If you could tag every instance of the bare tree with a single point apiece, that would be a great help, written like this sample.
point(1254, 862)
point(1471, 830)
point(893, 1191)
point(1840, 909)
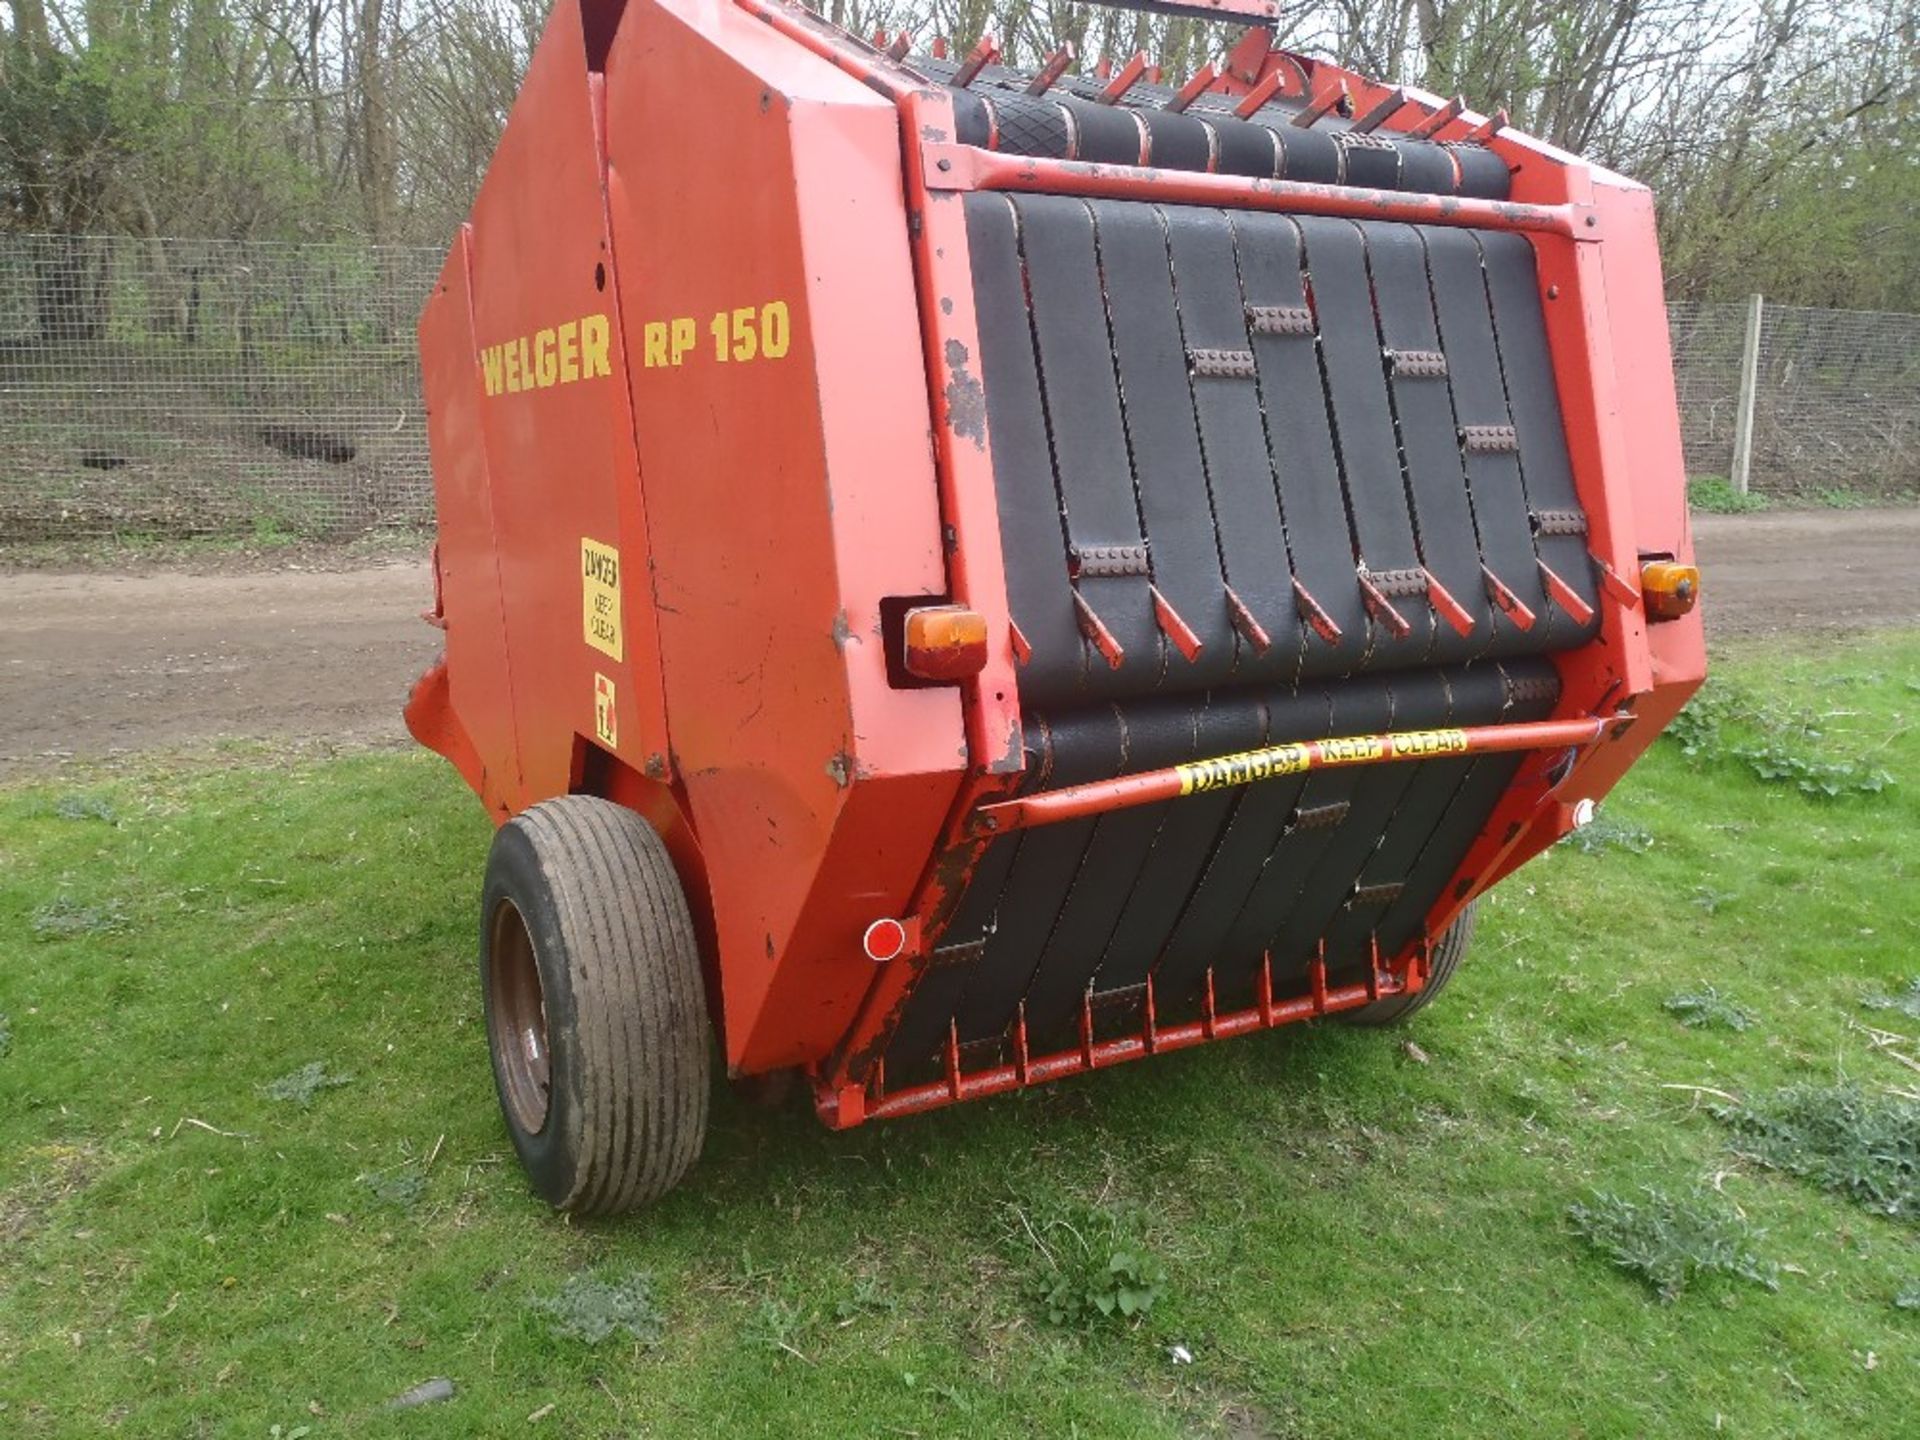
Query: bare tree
point(1781, 135)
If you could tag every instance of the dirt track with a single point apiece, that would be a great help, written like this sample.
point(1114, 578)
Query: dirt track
point(96, 663)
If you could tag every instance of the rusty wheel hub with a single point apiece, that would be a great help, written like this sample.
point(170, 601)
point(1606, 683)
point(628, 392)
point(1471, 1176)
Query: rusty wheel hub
point(517, 1019)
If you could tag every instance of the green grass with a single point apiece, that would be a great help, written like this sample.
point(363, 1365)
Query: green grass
point(132, 547)
point(1342, 1237)
point(1840, 497)
point(1715, 495)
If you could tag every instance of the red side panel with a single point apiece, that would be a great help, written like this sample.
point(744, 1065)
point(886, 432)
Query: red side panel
point(478, 684)
point(781, 408)
point(1652, 505)
point(568, 519)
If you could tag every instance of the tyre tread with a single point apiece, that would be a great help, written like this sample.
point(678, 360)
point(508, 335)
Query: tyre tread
point(1448, 951)
point(638, 1001)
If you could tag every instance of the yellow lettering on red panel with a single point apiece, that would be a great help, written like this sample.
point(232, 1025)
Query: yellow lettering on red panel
point(562, 354)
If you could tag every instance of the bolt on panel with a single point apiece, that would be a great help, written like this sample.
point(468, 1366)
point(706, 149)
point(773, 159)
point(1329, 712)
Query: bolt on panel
point(1233, 443)
point(1480, 403)
point(1422, 410)
point(1545, 470)
point(1342, 298)
point(1169, 472)
point(1088, 439)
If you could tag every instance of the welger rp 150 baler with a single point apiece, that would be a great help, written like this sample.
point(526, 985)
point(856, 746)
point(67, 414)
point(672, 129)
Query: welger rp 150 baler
point(961, 577)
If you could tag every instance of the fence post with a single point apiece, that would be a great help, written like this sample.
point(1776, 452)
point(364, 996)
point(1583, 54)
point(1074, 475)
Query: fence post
point(1749, 385)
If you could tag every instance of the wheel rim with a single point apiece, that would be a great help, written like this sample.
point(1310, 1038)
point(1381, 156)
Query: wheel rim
point(517, 1020)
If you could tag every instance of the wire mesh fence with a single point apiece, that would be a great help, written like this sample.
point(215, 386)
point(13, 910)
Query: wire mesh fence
point(198, 387)
point(1836, 398)
point(191, 387)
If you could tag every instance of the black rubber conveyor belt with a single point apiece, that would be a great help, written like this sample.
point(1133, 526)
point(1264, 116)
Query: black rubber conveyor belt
point(1248, 448)
point(1072, 122)
point(1214, 881)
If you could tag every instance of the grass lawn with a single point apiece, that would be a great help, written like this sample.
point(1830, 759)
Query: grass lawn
point(1347, 1236)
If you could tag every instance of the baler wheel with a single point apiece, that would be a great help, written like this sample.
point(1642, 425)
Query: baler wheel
point(1448, 952)
point(594, 1007)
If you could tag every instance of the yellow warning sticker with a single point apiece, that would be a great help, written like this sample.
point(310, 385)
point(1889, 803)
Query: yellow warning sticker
point(1243, 769)
point(1360, 750)
point(606, 720)
point(1418, 744)
point(600, 596)
point(1276, 760)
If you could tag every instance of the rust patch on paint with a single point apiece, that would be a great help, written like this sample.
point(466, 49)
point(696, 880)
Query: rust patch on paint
point(966, 398)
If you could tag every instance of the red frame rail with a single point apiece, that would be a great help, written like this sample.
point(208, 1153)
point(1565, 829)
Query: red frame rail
point(853, 1105)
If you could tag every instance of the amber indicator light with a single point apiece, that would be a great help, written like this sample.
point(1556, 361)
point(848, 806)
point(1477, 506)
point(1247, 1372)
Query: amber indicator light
point(945, 642)
point(1669, 590)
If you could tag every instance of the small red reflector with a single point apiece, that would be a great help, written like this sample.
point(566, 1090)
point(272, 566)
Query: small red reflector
point(945, 642)
point(884, 940)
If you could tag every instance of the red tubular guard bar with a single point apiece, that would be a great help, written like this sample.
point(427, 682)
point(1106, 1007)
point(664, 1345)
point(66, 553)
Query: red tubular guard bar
point(966, 167)
point(1077, 801)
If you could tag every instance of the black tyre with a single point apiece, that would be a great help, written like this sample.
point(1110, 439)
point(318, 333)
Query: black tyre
point(1448, 952)
point(594, 1005)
